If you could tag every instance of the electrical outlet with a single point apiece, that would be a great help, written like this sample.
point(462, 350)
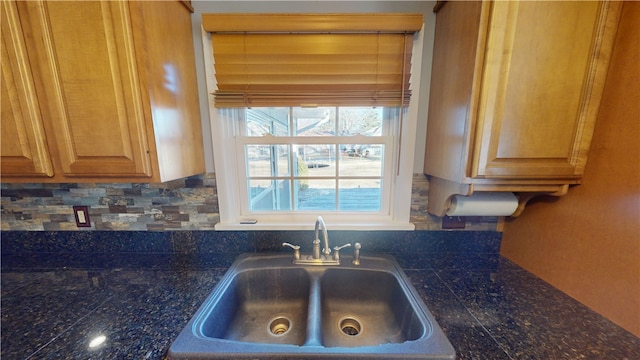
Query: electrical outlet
point(82, 216)
point(453, 222)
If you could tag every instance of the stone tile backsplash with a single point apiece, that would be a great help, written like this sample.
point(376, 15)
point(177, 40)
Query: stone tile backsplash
point(186, 204)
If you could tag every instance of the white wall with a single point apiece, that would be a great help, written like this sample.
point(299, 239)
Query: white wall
point(318, 6)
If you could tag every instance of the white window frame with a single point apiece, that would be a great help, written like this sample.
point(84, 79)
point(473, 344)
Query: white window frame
point(229, 186)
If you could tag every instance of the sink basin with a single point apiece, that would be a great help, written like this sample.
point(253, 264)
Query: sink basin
point(277, 297)
point(368, 306)
point(265, 307)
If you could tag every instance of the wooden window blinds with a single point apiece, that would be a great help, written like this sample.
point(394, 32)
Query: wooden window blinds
point(312, 59)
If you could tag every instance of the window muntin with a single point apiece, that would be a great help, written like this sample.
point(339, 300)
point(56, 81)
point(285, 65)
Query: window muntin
point(316, 121)
point(335, 159)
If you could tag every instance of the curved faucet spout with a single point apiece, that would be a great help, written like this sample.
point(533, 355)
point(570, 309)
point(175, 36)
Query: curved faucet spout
point(320, 224)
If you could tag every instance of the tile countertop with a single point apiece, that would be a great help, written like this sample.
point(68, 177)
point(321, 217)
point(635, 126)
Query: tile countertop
point(488, 307)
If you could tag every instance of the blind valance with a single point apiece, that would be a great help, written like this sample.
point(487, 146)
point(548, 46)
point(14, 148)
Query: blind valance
point(312, 60)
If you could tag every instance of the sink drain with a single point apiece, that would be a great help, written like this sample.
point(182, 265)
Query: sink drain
point(279, 326)
point(350, 326)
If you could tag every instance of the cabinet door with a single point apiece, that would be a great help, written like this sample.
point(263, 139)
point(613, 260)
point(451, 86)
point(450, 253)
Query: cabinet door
point(24, 148)
point(89, 86)
point(544, 69)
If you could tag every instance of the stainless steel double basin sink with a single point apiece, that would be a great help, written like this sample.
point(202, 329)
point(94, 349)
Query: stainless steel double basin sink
point(265, 307)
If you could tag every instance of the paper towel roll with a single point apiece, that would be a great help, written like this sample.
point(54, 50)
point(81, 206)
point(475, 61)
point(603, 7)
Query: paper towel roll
point(483, 204)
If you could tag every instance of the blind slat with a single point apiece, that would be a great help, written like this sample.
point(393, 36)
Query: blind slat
point(306, 59)
point(311, 69)
point(309, 43)
point(371, 98)
point(308, 79)
point(307, 89)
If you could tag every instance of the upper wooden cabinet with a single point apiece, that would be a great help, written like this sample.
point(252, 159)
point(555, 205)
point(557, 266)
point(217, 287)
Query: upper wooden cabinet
point(102, 90)
point(515, 92)
point(24, 145)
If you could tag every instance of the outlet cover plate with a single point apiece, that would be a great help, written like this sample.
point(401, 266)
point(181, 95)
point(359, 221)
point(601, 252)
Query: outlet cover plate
point(82, 216)
point(453, 222)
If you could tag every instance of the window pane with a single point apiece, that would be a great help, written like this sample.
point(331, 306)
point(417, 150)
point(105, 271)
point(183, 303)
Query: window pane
point(360, 120)
point(360, 195)
point(269, 194)
point(261, 121)
point(336, 175)
point(320, 121)
point(312, 194)
point(361, 159)
point(316, 160)
point(267, 160)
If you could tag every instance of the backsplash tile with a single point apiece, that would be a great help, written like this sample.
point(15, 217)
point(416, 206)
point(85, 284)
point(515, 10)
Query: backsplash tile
point(186, 204)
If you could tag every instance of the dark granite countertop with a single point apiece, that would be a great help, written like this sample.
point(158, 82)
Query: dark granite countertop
point(488, 307)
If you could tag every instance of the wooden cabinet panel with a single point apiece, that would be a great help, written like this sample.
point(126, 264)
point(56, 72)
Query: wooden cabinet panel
point(545, 64)
point(172, 90)
point(86, 58)
point(24, 148)
point(515, 92)
point(450, 106)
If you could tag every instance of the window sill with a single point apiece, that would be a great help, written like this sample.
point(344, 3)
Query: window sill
point(299, 226)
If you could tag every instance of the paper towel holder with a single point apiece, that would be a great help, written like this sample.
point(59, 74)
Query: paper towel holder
point(441, 191)
point(483, 203)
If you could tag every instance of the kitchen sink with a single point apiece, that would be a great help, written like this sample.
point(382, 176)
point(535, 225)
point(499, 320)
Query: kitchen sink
point(266, 307)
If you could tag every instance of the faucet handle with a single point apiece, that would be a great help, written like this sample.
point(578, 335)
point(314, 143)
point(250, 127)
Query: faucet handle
point(296, 250)
point(336, 254)
point(356, 254)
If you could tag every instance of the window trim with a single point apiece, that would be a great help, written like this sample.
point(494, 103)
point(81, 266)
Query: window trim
point(222, 131)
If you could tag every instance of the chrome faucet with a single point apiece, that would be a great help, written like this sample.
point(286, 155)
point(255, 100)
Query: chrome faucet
point(317, 258)
point(316, 243)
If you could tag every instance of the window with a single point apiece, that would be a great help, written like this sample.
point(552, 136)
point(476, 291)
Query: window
point(317, 141)
point(315, 159)
point(284, 166)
